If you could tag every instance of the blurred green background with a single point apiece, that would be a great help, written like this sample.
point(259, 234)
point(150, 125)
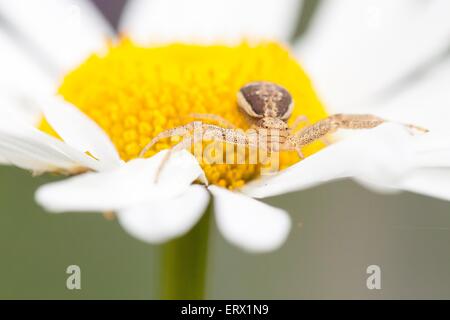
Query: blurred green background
point(338, 230)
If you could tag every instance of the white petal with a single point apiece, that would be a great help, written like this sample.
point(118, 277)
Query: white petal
point(132, 184)
point(19, 108)
point(431, 174)
point(79, 131)
point(432, 151)
point(434, 182)
point(27, 154)
point(66, 30)
point(379, 188)
point(29, 148)
point(206, 20)
point(379, 156)
point(20, 79)
point(248, 223)
point(426, 102)
point(357, 48)
point(165, 220)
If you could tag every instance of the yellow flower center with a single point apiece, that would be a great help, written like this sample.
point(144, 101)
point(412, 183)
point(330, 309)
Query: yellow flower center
point(135, 92)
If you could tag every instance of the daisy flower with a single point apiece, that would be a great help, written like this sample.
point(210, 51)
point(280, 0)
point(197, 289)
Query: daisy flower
point(182, 57)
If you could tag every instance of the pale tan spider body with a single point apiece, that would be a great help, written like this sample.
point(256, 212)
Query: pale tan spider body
point(267, 106)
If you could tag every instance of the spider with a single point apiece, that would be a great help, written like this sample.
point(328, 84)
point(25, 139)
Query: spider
point(267, 106)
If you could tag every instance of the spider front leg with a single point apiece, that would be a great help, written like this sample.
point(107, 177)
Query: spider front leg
point(332, 123)
point(213, 117)
point(335, 122)
point(233, 136)
point(184, 144)
point(291, 145)
point(302, 119)
point(365, 121)
point(207, 131)
point(322, 128)
point(178, 131)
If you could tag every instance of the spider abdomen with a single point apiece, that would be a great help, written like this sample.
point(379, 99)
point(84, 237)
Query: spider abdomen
point(264, 99)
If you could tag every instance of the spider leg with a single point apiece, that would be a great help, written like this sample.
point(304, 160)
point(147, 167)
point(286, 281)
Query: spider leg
point(209, 132)
point(304, 120)
point(331, 124)
point(213, 117)
point(413, 128)
point(186, 142)
point(298, 121)
point(326, 140)
point(293, 147)
point(178, 131)
point(335, 122)
point(233, 136)
point(365, 121)
point(299, 152)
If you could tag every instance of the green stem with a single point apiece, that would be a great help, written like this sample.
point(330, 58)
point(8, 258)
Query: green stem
point(184, 263)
